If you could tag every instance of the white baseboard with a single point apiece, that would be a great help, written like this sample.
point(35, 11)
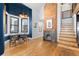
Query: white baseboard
point(36, 37)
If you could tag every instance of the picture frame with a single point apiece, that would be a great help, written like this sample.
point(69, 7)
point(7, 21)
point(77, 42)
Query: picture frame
point(49, 23)
point(40, 25)
point(35, 25)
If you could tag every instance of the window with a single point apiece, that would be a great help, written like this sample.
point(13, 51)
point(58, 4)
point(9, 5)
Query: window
point(14, 24)
point(67, 14)
point(5, 24)
point(24, 25)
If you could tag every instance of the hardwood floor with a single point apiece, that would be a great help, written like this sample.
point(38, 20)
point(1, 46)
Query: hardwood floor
point(38, 47)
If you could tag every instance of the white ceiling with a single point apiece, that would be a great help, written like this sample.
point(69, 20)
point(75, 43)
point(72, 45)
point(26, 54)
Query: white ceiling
point(66, 6)
point(36, 6)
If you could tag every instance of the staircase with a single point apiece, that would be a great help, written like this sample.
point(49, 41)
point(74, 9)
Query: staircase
point(67, 37)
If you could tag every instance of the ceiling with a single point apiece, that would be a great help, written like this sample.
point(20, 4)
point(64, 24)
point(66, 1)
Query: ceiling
point(66, 4)
point(36, 6)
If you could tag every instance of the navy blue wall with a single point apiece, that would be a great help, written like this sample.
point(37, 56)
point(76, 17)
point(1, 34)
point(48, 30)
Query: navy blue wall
point(1, 30)
point(16, 8)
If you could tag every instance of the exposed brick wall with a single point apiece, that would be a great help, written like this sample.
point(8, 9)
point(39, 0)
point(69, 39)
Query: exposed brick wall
point(50, 10)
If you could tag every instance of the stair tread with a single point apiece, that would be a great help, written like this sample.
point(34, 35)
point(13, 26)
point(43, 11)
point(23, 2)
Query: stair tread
point(65, 33)
point(68, 36)
point(68, 39)
point(67, 25)
point(67, 28)
point(73, 41)
point(67, 43)
point(68, 47)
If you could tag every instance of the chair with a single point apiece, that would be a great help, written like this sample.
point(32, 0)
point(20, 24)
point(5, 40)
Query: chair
point(13, 40)
point(23, 37)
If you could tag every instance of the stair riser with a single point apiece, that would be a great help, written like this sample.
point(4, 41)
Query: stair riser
point(70, 48)
point(68, 30)
point(67, 24)
point(67, 27)
point(68, 37)
point(67, 34)
point(67, 40)
point(69, 45)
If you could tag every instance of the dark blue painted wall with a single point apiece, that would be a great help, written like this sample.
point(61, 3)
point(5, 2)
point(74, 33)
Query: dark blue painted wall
point(1, 30)
point(16, 8)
